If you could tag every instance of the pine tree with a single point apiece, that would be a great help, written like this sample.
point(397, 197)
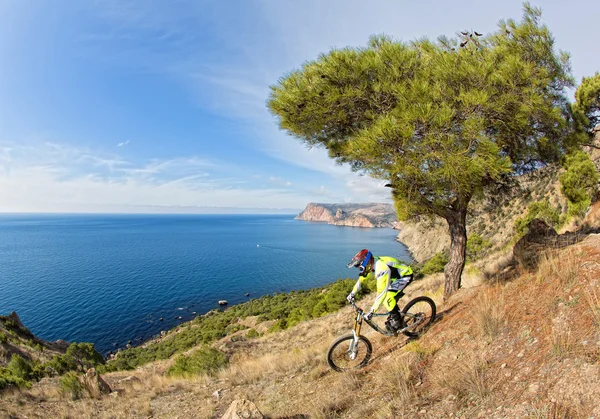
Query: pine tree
point(442, 121)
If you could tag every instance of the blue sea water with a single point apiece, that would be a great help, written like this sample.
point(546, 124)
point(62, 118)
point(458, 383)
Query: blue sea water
point(108, 279)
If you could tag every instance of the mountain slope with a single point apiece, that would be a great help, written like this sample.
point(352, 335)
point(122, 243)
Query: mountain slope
point(526, 346)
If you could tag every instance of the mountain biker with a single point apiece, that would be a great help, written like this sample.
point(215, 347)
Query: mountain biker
point(392, 277)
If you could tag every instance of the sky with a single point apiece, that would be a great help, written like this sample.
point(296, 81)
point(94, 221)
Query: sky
point(160, 106)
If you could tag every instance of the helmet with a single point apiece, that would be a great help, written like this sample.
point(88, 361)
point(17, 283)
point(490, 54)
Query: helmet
point(361, 260)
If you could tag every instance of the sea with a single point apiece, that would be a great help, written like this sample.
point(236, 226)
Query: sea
point(112, 279)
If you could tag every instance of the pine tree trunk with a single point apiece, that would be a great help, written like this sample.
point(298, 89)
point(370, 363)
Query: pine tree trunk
point(457, 222)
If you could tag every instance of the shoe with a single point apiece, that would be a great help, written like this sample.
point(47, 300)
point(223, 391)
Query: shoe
point(390, 328)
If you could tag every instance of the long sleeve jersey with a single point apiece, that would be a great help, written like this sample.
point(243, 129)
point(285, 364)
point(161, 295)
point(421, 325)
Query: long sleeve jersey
point(390, 273)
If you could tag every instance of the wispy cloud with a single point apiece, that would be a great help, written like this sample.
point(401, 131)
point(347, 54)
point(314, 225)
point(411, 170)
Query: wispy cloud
point(64, 178)
point(123, 143)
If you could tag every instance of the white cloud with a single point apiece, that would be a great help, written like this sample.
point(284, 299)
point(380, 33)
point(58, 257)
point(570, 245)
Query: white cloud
point(123, 143)
point(63, 178)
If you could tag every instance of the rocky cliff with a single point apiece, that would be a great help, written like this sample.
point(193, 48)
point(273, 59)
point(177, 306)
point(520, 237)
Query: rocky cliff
point(15, 338)
point(352, 215)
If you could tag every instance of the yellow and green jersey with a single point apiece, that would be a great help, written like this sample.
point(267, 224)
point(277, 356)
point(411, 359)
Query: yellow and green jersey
point(392, 277)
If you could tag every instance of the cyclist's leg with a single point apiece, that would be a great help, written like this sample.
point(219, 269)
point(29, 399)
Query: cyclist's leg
point(394, 320)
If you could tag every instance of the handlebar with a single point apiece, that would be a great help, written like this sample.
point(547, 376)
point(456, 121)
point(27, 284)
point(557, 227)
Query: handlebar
point(362, 312)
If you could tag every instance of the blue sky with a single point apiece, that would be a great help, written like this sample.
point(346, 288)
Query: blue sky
point(159, 106)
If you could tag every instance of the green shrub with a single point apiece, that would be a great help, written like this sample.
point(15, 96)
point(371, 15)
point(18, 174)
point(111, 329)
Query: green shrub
point(541, 210)
point(70, 386)
point(435, 264)
point(19, 367)
point(78, 357)
point(477, 247)
point(578, 209)
point(3, 338)
point(580, 179)
point(252, 333)
point(206, 360)
point(83, 355)
point(8, 379)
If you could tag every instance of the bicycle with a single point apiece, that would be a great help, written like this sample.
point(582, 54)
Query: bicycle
point(358, 351)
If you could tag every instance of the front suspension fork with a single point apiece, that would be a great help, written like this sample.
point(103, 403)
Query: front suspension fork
point(354, 342)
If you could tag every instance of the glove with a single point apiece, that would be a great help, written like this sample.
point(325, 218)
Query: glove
point(350, 297)
point(369, 315)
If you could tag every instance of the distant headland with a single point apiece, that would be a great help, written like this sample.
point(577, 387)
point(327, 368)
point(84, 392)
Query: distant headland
point(352, 215)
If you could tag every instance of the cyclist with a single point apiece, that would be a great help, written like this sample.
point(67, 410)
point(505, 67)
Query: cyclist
point(392, 277)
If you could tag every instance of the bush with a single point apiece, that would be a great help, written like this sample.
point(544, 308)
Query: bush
point(69, 385)
point(19, 367)
point(541, 210)
point(3, 338)
point(477, 247)
point(83, 355)
point(252, 333)
point(8, 379)
point(204, 361)
point(435, 264)
point(79, 357)
point(581, 178)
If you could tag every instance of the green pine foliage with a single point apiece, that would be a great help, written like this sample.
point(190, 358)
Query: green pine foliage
point(286, 309)
point(587, 104)
point(539, 209)
point(435, 264)
point(70, 386)
point(578, 182)
point(8, 379)
point(19, 367)
point(441, 121)
point(206, 360)
point(477, 247)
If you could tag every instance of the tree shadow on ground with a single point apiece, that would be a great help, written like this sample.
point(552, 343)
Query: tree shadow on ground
point(439, 316)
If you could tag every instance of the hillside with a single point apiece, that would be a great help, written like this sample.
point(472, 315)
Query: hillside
point(352, 215)
point(526, 344)
point(493, 219)
point(15, 338)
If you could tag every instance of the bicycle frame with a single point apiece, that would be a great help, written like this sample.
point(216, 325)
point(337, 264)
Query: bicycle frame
point(358, 320)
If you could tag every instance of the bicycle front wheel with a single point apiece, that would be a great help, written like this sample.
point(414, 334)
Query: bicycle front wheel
point(418, 315)
point(342, 356)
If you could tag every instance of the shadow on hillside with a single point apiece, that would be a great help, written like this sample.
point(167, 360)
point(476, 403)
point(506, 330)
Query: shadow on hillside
point(528, 251)
point(439, 316)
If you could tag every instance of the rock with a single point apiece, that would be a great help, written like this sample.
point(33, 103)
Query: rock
point(129, 380)
point(529, 247)
point(223, 302)
point(247, 294)
point(94, 384)
point(242, 409)
point(15, 318)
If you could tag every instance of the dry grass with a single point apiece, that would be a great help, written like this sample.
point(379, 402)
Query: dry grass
point(558, 410)
point(593, 300)
point(469, 379)
point(251, 370)
point(564, 266)
point(489, 313)
point(562, 342)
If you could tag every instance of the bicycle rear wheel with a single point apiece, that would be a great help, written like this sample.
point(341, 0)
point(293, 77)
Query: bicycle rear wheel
point(418, 313)
point(341, 357)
